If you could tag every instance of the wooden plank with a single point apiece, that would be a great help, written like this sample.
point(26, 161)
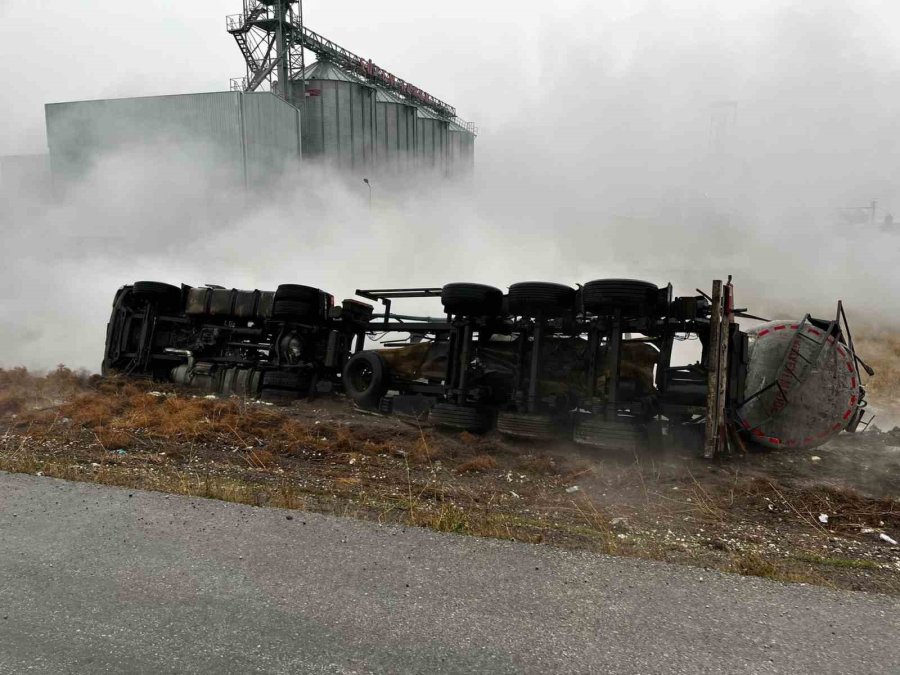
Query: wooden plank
point(724, 345)
point(713, 385)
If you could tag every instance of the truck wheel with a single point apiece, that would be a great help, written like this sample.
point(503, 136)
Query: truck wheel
point(538, 298)
point(471, 299)
point(297, 303)
point(604, 296)
point(365, 379)
point(298, 293)
point(525, 425)
point(286, 379)
point(295, 310)
point(283, 387)
point(165, 296)
point(609, 434)
point(461, 417)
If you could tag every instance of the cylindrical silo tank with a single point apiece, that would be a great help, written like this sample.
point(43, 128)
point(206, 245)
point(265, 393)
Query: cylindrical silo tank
point(432, 141)
point(462, 149)
point(395, 132)
point(802, 387)
point(337, 117)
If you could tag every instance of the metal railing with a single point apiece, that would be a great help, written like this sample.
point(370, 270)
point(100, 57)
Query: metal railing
point(468, 126)
point(234, 22)
point(238, 84)
point(346, 59)
point(304, 38)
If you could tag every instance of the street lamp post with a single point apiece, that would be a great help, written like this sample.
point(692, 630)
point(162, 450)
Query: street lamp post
point(366, 181)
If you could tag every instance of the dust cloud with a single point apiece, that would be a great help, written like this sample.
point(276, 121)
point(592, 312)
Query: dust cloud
point(666, 143)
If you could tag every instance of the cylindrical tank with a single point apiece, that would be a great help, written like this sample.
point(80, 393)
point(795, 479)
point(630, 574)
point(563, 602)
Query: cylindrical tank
point(802, 385)
point(337, 117)
point(462, 149)
point(432, 141)
point(395, 132)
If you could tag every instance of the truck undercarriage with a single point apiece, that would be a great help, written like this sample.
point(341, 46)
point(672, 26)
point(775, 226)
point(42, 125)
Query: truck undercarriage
point(542, 361)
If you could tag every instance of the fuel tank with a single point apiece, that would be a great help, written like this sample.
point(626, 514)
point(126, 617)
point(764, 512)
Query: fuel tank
point(803, 385)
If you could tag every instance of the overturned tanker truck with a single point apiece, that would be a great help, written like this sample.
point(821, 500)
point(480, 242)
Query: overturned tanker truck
point(542, 361)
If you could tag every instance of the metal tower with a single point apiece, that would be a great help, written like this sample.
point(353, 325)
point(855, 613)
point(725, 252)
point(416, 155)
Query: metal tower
point(272, 39)
point(262, 33)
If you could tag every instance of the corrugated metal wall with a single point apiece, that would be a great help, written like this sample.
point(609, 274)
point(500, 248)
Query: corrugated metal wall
point(272, 136)
point(246, 135)
point(432, 142)
point(395, 133)
point(249, 137)
point(462, 149)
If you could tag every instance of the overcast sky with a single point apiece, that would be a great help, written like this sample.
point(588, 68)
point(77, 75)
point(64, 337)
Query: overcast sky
point(593, 159)
point(497, 61)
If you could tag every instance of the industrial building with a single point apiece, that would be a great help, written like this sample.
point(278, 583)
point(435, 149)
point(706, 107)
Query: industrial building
point(341, 112)
point(246, 137)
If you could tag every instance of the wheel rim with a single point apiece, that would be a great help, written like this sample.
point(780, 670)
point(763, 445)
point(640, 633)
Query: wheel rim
point(361, 377)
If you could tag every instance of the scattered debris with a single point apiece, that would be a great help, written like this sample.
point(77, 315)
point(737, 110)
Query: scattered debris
point(619, 524)
point(823, 518)
point(572, 489)
point(884, 537)
point(815, 458)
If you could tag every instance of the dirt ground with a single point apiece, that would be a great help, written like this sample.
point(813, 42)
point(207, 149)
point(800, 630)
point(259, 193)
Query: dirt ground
point(825, 517)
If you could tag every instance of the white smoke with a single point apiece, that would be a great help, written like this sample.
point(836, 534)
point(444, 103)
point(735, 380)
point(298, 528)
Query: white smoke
point(597, 158)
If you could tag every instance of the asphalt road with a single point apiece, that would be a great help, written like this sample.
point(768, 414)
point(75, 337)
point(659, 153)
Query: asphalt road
point(96, 579)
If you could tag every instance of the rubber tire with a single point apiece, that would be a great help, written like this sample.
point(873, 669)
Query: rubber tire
point(285, 379)
point(366, 395)
point(295, 310)
point(540, 298)
point(165, 296)
point(298, 293)
point(460, 417)
point(526, 425)
point(599, 432)
point(604, 296)
point(471, 299)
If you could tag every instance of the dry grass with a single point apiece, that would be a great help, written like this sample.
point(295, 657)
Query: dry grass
point(22, 392)
point(478, 463)
point(120, 432)
point(755, 565)
point(805, 503)
point(543, 465)
point(881, 350)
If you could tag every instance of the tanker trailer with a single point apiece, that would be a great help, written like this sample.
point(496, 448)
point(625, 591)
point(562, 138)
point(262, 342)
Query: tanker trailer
point(803, 383)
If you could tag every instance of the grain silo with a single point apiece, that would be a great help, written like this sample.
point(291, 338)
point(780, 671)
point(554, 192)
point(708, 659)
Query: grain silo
point(432, 141)
point(462, 147)
point(339, 117)
point(395, 133)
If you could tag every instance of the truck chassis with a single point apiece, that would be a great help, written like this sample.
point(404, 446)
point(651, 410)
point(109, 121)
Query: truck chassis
point(542, 361)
